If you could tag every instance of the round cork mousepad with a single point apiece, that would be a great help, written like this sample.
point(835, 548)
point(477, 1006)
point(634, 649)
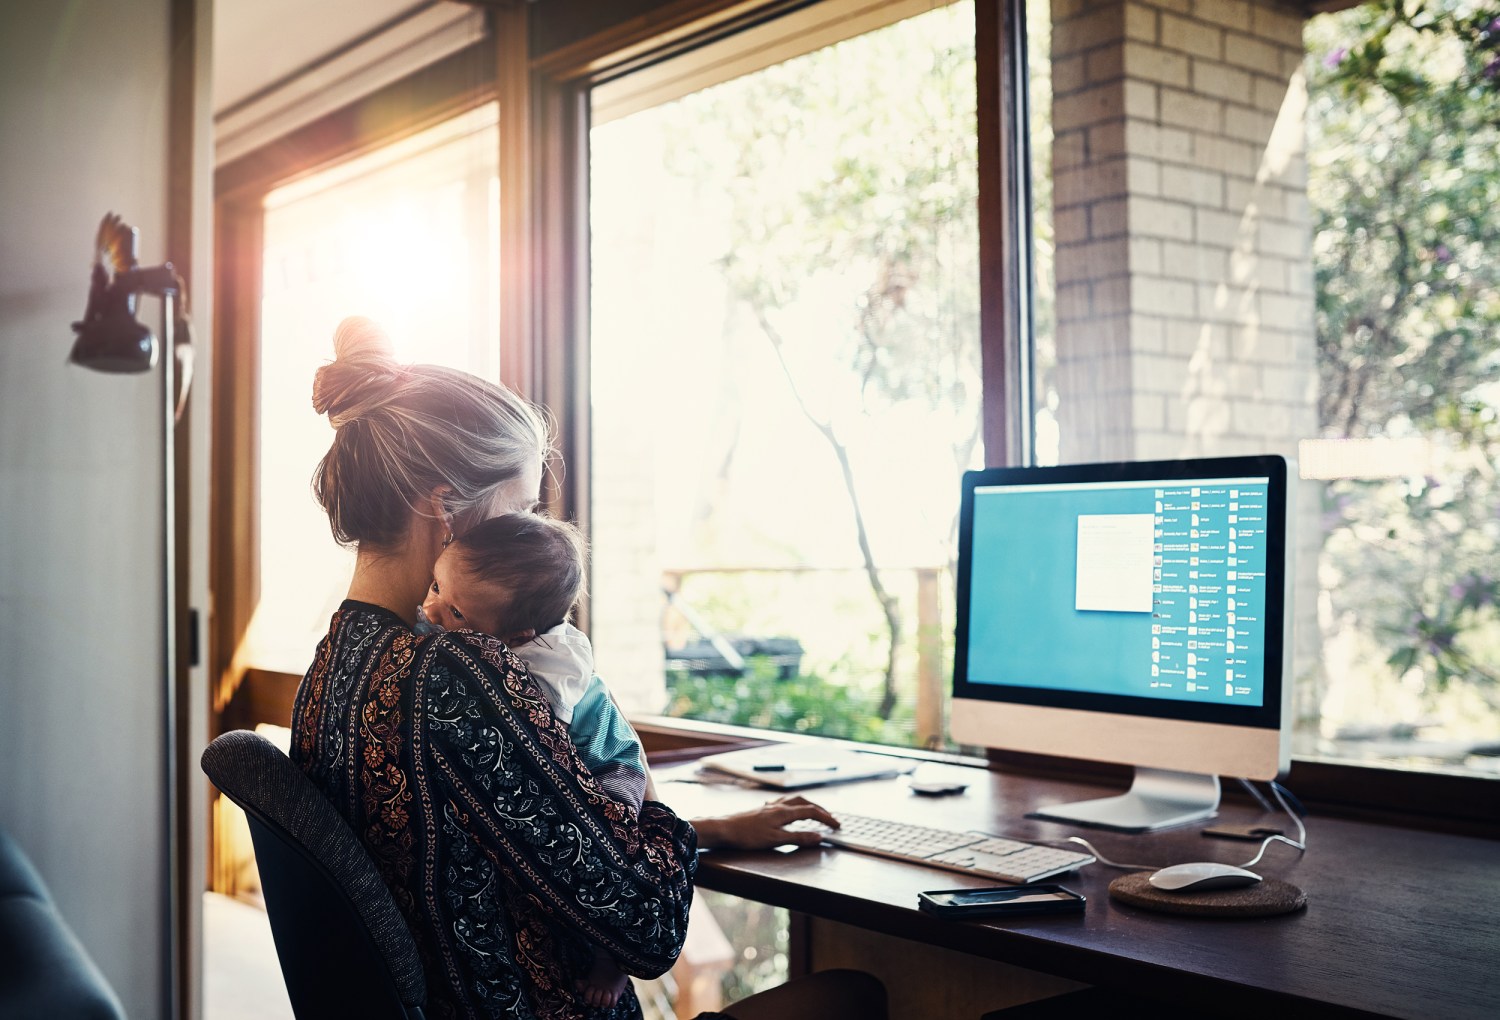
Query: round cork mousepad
point(1269, 897)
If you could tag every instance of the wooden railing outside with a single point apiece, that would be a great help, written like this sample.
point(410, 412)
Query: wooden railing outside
point(931, 674)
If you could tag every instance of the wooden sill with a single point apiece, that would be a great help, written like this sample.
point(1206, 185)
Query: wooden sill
point(1435, 802)
point(1430, 801)
point(669, 745)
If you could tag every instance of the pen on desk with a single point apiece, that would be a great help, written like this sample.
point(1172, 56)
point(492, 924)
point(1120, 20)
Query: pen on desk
point(796, 767)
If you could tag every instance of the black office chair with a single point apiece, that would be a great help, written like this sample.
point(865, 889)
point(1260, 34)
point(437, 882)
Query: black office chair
point(344, 947)
point(44, 970)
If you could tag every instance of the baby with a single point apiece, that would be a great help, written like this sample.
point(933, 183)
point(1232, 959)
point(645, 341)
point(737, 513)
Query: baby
point(517, 577)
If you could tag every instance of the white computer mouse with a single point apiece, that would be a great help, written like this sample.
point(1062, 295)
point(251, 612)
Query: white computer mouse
point(1201, 877)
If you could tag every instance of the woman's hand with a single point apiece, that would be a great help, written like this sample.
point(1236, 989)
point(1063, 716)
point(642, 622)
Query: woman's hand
point(764, 827)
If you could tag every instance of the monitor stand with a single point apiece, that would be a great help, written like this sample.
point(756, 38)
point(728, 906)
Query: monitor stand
point(1157, 799)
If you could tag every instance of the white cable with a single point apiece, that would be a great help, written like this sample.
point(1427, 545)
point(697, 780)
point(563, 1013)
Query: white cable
point(1299, 844)
point(1260, 798)
point(1106, 861)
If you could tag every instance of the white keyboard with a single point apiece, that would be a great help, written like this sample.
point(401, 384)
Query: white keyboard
point(972, 853)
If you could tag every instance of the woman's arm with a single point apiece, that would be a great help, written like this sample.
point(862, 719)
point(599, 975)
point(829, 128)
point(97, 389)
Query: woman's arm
point(619, 879)
point(764, 827)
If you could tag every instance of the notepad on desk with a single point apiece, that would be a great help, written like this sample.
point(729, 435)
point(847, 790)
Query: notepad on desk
point(796, 767)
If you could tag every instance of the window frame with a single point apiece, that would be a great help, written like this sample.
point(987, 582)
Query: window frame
point(544, 119)
point(1432, 800)
point(446, 89)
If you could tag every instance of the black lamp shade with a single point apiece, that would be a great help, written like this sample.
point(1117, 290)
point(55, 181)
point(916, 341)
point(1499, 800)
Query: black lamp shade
point(110, 337)
point(114, 343)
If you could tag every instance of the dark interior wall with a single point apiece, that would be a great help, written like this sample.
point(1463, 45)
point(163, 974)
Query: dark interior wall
point(84, 119)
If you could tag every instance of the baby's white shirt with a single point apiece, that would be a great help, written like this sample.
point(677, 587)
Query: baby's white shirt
point(562, 660)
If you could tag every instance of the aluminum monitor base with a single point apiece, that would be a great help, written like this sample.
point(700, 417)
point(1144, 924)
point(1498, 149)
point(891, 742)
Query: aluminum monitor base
point(1157, 799)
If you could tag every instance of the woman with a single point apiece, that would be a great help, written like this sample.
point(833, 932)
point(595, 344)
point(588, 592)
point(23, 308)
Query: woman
point(507, 859)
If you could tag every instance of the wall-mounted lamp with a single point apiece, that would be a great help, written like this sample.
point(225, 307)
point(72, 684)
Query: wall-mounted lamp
point(112, 339)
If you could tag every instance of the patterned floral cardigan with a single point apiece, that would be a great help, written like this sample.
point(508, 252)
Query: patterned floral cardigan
point(504, 854)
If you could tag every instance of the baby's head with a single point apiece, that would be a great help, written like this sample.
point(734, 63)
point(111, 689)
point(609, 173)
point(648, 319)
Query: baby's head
point(511, 576)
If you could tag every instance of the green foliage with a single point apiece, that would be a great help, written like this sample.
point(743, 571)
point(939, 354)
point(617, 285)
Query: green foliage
point(1404, 182)
point(1416, 564)
point(858, 160)
point(851, 171)
point(802, 704)
point(1405, 127)
point(761, 936)
point(849, 179)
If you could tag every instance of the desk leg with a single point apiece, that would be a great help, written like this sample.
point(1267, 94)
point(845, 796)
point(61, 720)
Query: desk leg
point(798, 945)
point(922, 980)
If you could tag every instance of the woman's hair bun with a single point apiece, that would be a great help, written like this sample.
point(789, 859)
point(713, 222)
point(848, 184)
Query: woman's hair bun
point(362, 376)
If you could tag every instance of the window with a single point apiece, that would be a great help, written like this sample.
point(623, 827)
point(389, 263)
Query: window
point(1403, 130)
point(1192, 219)
point(407, 236)
point(1207, 236)
point(785, 366)
point(1243, 246)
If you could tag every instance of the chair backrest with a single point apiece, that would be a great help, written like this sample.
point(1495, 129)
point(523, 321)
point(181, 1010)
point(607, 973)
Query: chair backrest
point(344, 947)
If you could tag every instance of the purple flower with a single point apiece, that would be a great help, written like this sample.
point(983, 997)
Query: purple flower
point(1492, 68)
point(1478, 589)
point(1473, 590)
point(1493, 26)
point(1443, 254)
point(1336, 57)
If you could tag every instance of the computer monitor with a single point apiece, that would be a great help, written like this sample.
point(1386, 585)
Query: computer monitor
point(1133, 613)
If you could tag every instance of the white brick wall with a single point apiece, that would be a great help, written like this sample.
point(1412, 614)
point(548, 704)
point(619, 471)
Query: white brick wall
point(1166, 130)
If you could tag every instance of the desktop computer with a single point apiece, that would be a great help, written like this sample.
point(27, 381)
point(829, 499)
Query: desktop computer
point(1135, 613)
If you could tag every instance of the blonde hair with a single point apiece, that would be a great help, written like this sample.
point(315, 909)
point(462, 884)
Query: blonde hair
point(403, 431)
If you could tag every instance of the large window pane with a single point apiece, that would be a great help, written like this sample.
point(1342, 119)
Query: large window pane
point(786, 386)
point(409, 237)
point(1404, 126)
point(1260, 245)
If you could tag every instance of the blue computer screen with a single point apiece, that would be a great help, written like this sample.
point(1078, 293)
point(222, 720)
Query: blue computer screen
point(1152, 589)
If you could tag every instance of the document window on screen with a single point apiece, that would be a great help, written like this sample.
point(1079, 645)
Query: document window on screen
point(1151, 589)
point(1115, 563)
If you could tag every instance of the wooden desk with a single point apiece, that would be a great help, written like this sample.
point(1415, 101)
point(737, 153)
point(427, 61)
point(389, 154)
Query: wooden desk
point(1398, 923)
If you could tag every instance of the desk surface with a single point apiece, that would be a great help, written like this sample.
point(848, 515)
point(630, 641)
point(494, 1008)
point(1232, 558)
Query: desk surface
point(1398, 922)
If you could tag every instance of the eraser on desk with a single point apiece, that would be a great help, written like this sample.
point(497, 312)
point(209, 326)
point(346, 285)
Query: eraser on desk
point(937, 789)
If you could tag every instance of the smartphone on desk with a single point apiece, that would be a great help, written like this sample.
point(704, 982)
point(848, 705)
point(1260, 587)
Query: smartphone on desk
point(1001, 901)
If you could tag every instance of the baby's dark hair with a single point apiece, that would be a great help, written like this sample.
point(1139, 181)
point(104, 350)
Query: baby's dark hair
point(536, 560)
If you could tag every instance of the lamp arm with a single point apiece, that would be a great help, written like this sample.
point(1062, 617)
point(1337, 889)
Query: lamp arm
point(164, 280)
point(158, 280)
